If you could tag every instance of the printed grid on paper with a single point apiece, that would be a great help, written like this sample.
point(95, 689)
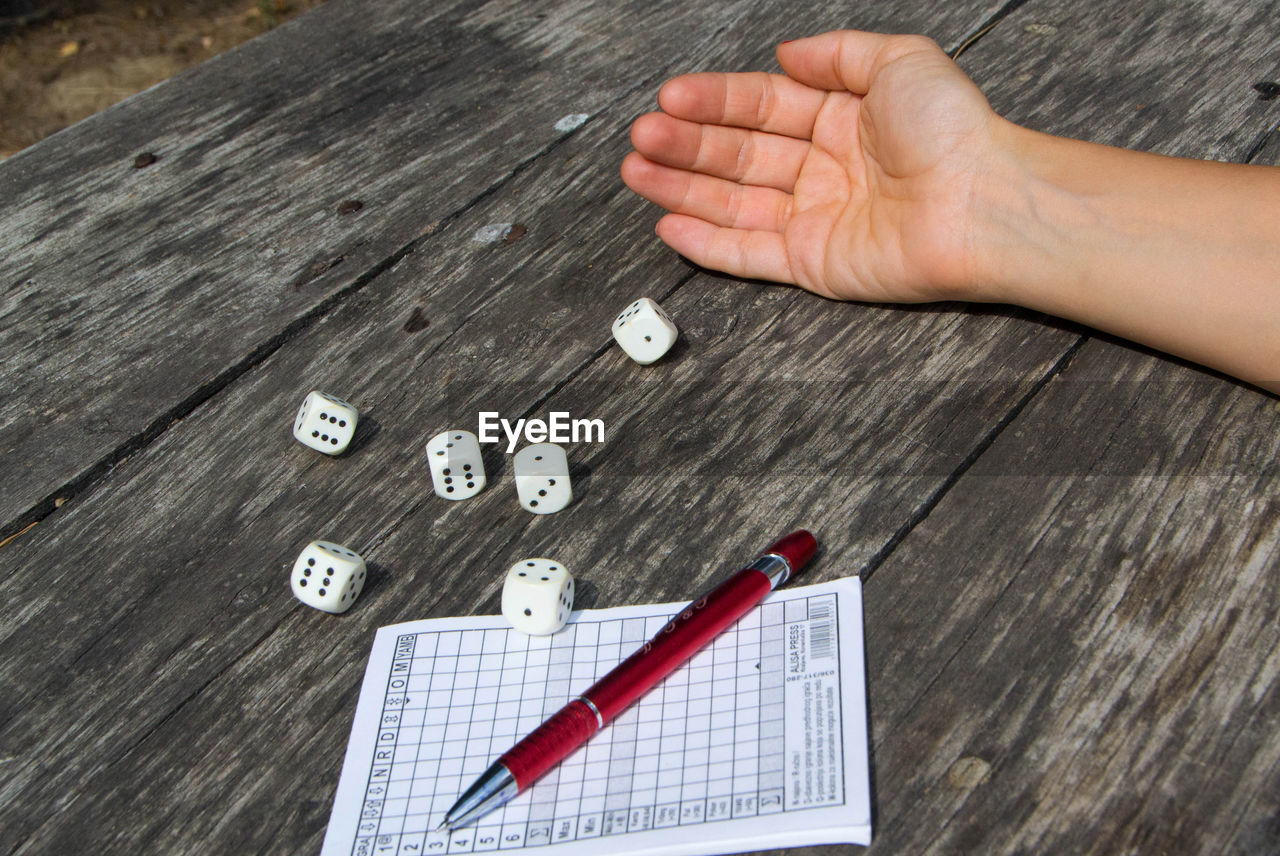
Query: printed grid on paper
point(705, 745)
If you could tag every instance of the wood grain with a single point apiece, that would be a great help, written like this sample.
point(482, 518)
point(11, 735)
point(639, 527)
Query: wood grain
point(139, 293)
point(1089, 616)
point(132, 295)
point(161, 637)
point(164, 693)
point(1169, 78)
point(1092, 613)
point(1075, 650)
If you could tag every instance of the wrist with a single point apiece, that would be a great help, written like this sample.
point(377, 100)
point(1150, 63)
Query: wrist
point(1025, 221)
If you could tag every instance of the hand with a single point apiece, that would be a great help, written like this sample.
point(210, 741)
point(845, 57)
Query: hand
point(853, 176)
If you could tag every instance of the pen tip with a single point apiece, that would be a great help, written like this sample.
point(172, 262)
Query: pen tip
point(444, 827)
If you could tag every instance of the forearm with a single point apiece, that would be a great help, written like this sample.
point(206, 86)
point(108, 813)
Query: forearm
point(1180, 255)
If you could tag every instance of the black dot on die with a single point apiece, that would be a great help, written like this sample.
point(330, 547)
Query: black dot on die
point(530, 564)
point(446, 471)
point(325, 582)
point(320, 592)
point(544, 579)
point(448, 480)
point(324, 437)
point(648, 338)
point(334, 441)
point(542, 493)
point(306, 572)
point(315, 433)
point(537, 457)
point(311, 562)
point(324, 416)
point(441, 452)
point(362, 576)
point(522, 574)
point(467, 467)
point(471, 484)
point(553, 567)
point(551, 481)
point(342, 424)
point(528, 612)
point(532, 503)
point(449, 489)
point(302, 583)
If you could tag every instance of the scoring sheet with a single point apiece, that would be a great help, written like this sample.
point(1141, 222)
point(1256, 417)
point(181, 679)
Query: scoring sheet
point(759, 741)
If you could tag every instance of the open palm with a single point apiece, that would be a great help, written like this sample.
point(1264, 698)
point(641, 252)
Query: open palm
point(852, 175)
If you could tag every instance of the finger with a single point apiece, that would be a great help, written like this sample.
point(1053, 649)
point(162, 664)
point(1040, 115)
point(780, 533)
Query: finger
point(739, 252)
point(724, 203)
point(755, 100)
point(845, 59)
point(747, 157)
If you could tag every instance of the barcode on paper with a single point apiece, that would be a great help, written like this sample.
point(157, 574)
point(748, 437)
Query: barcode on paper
point(822, 628)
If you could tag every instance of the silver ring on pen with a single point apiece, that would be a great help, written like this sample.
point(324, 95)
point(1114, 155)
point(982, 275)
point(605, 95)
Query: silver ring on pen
point(589, 703)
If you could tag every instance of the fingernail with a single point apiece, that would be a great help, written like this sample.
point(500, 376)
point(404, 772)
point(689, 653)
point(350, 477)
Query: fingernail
point(785, 42)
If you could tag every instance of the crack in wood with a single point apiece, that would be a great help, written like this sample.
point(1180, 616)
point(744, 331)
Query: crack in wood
point(93, 475)
point(211, 389)
point(1262, 143)
point(317, 269)
point(987, 26)
point(921, 512)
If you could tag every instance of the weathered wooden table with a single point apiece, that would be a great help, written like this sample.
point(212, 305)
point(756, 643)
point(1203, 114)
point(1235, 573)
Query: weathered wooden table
point(1070, 546)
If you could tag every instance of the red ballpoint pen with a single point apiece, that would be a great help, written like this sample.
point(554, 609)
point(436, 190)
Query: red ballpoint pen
point(677, 641)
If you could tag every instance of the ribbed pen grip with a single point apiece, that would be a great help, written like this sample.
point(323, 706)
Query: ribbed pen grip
point(550, 743)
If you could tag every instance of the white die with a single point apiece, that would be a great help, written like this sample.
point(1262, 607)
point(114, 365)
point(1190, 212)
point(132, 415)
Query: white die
point(457, 472)
point(644, 331)
point(328, 576)
point(325, 423)
point(542, 478)
point(537, 596)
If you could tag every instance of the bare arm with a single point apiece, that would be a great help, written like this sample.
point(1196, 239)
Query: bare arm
point(1178, 254)
point(875, 170)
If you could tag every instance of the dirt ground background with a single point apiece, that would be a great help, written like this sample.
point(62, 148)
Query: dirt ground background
point(64, 60)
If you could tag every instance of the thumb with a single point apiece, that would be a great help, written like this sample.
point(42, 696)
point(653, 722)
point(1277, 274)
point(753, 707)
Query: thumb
point(846, 59)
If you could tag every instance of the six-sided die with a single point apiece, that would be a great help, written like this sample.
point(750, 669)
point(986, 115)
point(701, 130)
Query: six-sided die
point(644, 331)
point(328, 576)
point(542, 478)
point(457, 472)
point(325, 423)
point(537, 596)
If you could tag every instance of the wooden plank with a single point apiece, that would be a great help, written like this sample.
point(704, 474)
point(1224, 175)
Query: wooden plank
point(1145, 75)
point(1098, 601)
point(202, 707)
point(1089, 616)
point(131, 295)
point(230, 679)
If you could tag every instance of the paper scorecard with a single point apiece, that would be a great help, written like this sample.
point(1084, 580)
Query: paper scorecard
point(759, 741)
